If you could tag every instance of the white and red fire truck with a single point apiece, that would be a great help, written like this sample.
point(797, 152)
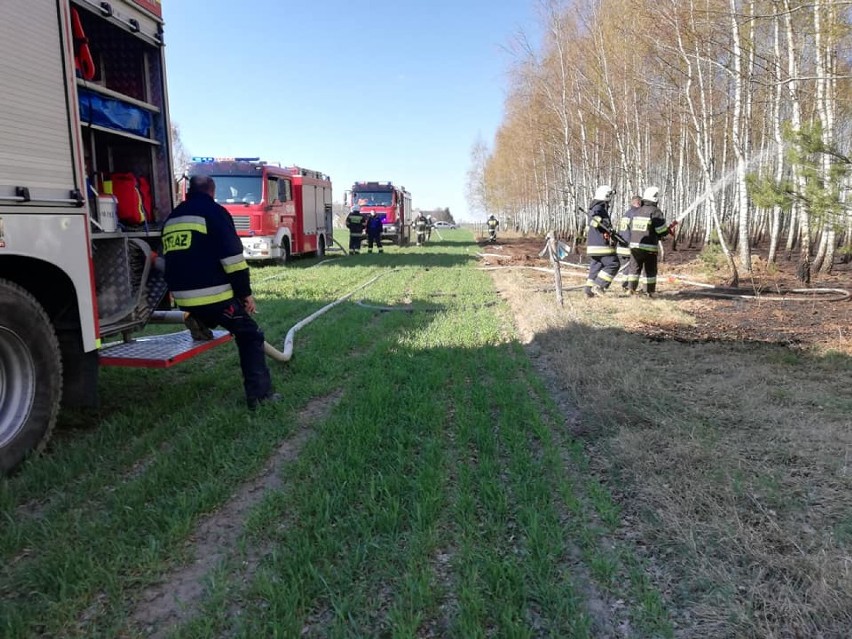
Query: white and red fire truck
point(391, 203)
point(84, 134)
point(278, 211)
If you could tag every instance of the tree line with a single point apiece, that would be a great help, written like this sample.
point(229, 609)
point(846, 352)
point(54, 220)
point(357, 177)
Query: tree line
point(737, 109)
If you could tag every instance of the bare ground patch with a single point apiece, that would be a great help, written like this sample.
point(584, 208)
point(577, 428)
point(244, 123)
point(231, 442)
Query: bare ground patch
point(176, 598)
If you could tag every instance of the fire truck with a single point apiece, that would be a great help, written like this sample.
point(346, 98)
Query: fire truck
point(391, 203)
point(86, 182)
point(278, 211)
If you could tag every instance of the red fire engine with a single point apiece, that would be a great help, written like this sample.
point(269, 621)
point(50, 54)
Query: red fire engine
point(278, 211)
point(391, 203)
point(86, 181)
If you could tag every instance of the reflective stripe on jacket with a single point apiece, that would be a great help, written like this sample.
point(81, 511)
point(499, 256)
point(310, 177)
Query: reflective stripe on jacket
point(596, 243)
point(624, 230)
point(203, 254)
point(355, 223)
point(647, 227)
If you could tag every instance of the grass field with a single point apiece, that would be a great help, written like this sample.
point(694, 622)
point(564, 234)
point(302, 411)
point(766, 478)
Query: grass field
point(420, 478)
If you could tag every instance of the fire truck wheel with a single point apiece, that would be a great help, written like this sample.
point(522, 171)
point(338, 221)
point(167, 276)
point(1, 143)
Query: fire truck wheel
point(285, 252)
point(321, 246)
point(30, 376)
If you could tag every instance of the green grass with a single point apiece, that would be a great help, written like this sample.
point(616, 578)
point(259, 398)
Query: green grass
point(434, 496)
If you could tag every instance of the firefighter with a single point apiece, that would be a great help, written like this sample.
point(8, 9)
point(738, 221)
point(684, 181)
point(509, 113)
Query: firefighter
point(647, 228)
point(355, 223)
point(492, 224)
point(374, 232)
point(623, 252)
point(209, 278)
point(600, 246)
point(420, 223)
point(429, 224)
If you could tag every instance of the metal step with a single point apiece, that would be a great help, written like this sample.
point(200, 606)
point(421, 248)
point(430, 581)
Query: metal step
point(158, 351)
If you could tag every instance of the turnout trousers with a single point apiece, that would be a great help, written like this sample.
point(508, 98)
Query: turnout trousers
point(602, 270)
point(642, 262)
point(374, 238)
point(355, 241)
point(233, 317)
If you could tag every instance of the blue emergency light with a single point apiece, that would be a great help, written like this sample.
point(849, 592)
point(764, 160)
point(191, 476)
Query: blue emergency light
point(207, 160)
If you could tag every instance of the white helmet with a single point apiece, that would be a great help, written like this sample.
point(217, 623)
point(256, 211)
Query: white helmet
point(604, 192)
point(651, 194)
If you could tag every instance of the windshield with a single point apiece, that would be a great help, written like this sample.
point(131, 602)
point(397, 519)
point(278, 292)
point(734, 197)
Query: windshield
point(233, 189)
point(373, 198)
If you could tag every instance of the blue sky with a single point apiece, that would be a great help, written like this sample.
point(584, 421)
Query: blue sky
point(360, 90)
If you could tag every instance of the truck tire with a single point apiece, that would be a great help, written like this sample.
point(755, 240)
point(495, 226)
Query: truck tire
point(321, 246)
point(285, 252)
point(30, 376)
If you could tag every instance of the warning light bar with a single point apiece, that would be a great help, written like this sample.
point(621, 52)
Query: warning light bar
point(207, 160)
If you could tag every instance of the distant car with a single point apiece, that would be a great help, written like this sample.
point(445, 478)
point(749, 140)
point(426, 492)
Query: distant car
point(442, 224)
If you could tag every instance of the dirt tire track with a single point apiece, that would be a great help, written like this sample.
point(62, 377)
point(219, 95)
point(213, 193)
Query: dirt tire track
point(176, 598)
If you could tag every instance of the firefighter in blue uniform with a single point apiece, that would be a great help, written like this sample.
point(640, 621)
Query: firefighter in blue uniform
point(600, 247)
point(209, 278)
point(374, 232)
point(355, 222)
point(623, 252)
point(647, 228)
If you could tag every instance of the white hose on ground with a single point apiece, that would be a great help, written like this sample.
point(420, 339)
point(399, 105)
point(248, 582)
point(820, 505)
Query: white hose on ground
point(179, 317)
point(168, 317)
point(287, 354)
point(496, 268)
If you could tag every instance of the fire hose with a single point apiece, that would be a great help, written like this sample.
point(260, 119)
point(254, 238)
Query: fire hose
point(711, 290)
point(181, 317)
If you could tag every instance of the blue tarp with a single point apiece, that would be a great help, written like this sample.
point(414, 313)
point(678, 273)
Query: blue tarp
point(113, 114)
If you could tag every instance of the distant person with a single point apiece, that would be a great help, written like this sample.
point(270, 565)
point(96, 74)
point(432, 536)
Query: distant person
point(209, 278)
point(623, 252)
point(374, 232)
point(600, 245)
point(420, 223)
point(647, 227)
point(492, 225)
point(355, 222)
point(429, 224)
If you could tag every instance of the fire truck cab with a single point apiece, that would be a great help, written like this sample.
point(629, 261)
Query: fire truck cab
point(391, 203)
point(278, 211)
point(86, 182)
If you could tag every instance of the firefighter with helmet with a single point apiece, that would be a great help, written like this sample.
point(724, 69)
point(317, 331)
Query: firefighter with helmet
point(355, 222)
point(429, 224)
point(647, 227)
point(492, 224)
point(600, 244)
